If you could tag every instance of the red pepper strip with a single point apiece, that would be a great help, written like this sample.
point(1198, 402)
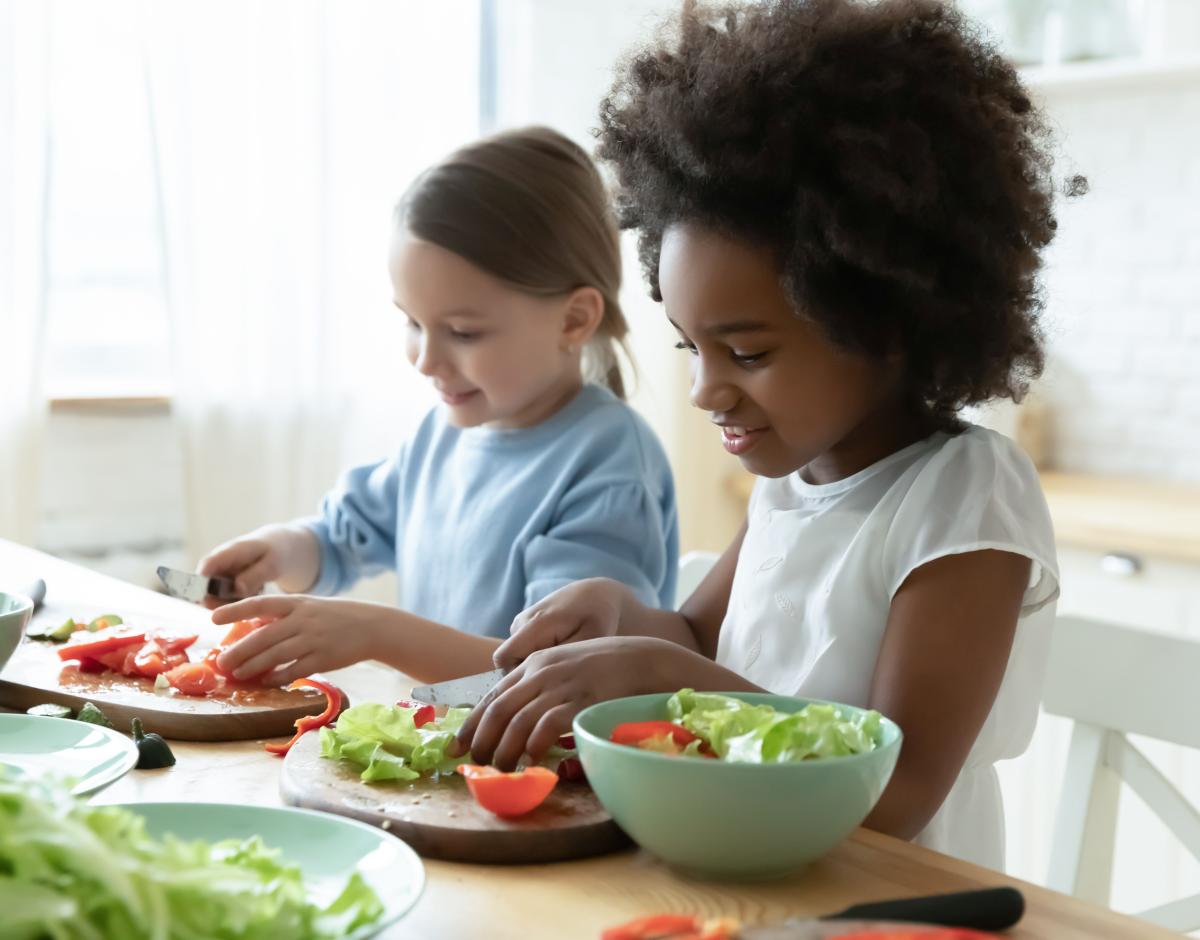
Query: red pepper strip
point(508, 794)
point(100, 642)
point(422, 714)
point(671, 737)
point(333, 707)
point(673, 927)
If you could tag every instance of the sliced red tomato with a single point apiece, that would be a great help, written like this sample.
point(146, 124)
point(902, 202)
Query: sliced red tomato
point(664, 736)
point(508, 794)
point(335, 701)
point(423, 714)
point(94, 645)
point(173, 644)
point(243, 628)
point(193, 678)
point(89, 665)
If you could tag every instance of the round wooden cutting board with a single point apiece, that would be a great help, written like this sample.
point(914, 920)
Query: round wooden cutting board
point(35, 676)
point(441, 819)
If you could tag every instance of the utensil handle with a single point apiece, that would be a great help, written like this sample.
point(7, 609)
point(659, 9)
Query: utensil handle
point(36, 592)
point(988, 909)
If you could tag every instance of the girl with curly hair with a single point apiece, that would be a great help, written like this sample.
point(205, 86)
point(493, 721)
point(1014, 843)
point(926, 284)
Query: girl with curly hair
point(842, 207)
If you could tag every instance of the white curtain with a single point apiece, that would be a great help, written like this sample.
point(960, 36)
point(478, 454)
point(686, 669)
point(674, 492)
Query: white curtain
point(284, 132)
point(23, 94)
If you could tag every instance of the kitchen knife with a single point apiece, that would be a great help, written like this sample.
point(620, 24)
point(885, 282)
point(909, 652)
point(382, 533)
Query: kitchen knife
point(988, 909)
point(456, 693)
point(195, 587)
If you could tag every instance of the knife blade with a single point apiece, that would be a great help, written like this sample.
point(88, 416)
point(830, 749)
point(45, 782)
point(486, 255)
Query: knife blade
point(195, 587)
point(459, 693)
point(987, 909)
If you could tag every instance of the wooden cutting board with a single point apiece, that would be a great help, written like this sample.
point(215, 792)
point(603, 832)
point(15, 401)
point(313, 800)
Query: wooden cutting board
point(442, 820)
point(35, 675)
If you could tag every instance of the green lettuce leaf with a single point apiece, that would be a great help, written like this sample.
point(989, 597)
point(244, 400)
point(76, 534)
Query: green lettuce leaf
point(760, 734)
point(385, 744)
point(70, 871)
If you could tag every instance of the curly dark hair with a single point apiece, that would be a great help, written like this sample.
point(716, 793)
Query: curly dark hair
point(885, 152)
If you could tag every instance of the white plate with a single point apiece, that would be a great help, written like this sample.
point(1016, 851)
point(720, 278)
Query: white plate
point(94, 756)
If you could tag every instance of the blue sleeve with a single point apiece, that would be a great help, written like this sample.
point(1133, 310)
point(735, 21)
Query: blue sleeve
point(617, 531)
point(356, 527)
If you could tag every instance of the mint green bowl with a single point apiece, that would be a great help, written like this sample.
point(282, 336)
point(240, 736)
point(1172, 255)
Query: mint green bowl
point(729, 821)
point(15, 611)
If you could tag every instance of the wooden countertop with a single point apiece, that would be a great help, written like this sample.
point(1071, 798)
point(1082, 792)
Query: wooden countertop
point(568, 899)
point(1107, 514)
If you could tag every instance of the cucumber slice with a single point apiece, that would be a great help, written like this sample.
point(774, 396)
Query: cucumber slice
point(104, 620)
point(50, 710)
point(44, 631)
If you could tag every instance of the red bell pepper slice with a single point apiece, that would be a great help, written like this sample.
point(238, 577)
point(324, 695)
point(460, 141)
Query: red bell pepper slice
point(94, 645)
point(673, 927)
point(335, 701)
point(664, 736)
point(423, 714)
point(508, 794)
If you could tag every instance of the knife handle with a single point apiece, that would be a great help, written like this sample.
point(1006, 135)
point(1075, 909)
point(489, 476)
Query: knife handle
point(987, 909)
point(36, 592)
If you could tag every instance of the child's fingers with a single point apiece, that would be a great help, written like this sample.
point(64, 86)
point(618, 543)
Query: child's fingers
point(255, 643)
point(274, 656)
point(540, 630)
point(550, 727)
point(253, 579)
point(230, 559)
point(487, 721)
point(275, 605)
point(301, 668)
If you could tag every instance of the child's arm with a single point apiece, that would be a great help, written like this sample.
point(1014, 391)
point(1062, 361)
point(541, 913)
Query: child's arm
point(599, 607)
point(944, 653)
point(316, 634)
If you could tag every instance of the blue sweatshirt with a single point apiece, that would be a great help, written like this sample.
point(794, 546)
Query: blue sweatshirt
point(480, 523)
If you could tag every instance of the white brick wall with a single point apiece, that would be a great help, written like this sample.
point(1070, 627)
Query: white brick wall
point(1123, 281)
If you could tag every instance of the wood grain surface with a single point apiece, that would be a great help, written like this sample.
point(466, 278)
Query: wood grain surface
point(440, 819)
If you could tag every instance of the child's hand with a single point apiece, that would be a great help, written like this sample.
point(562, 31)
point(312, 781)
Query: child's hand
point(310, 634)
point(285, 554)
point(585, 610)
point(534, 704)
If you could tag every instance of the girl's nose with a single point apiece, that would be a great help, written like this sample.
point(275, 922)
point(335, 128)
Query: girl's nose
point(425, 356)
point(710, 392)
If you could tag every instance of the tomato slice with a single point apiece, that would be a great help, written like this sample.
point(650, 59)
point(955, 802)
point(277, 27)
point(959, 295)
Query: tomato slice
point(243, 628)
point(193, 678)
point(674, 927)
point(423, 714)
point(508, 794)
point(173, 644)
point(94, 645)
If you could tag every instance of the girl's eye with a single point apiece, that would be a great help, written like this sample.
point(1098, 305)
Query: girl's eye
point(464, 336)
point(747, 359)
point(688, 346)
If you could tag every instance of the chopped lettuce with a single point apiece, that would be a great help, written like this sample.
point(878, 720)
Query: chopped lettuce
point(70, 871)
point(759, 734)
point(387, 745)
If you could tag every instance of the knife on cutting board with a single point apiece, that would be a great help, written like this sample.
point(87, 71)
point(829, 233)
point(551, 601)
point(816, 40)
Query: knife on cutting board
point(466, 692)
point(195, 587)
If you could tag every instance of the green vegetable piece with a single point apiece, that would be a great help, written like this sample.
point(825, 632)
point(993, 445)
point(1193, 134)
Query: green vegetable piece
point(50, 710)
point(93, 716)
point(104, 620)
point(153, 751)
point(43, 631)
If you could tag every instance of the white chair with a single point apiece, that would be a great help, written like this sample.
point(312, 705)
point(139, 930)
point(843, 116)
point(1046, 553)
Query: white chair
point(1113, 681)
point(693, 567)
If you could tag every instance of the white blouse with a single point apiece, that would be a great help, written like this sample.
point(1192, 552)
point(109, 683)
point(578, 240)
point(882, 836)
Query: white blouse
point(819, 567)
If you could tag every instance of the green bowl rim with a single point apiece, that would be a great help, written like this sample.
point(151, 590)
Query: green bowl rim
point(25, 603)
point(841, 760)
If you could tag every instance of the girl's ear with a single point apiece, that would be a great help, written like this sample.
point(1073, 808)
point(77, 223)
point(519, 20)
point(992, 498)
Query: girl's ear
point(582, 317)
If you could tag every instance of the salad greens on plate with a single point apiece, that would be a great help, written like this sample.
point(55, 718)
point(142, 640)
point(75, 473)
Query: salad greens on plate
point(70, 871)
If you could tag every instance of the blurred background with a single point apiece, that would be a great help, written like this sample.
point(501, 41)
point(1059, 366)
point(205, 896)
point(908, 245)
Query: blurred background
point(197, 331)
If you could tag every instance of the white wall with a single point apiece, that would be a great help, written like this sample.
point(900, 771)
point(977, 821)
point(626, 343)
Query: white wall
point(1123, 284)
